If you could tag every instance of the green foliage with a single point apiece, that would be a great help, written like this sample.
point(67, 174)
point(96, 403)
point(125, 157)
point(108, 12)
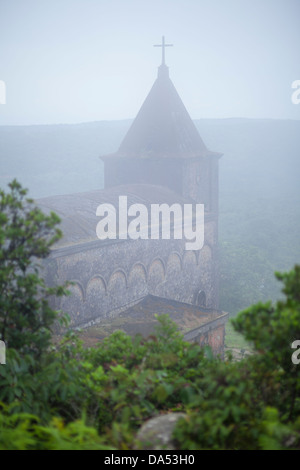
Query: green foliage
point(23, 431)
point(117, 385)
point(276, 435)
point(226, 414)
point(71, 397)
point(254, 403)
point(127, 380)
point(26, 236)
point(272, 329)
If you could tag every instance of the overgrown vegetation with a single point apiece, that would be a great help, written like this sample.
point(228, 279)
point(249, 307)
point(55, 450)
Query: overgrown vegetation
point(26, 235)
point(71, 397)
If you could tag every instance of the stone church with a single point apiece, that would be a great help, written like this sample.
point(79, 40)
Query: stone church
point(122, 283)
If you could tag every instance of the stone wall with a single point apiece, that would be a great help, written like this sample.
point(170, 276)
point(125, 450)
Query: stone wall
point(215, 338)
point(110, 276)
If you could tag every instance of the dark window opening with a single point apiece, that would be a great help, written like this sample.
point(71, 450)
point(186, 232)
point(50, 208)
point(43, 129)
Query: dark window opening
point(201, 299)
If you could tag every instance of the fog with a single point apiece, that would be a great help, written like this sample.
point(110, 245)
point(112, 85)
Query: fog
point(175, 178)
point(76, 61)
point(77, 72)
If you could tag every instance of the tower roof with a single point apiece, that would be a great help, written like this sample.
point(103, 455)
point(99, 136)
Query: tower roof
point(162, 128)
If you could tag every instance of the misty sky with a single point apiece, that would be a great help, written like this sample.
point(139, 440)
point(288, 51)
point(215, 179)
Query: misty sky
point(69, 61)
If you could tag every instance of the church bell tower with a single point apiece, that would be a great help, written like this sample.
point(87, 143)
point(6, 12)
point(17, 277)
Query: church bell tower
point(163, 147)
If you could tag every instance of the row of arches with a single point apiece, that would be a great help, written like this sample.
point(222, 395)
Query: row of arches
point(100, 296)
point(157, 270)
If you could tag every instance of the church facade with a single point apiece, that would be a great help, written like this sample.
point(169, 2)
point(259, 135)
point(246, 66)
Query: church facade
point(122, 283)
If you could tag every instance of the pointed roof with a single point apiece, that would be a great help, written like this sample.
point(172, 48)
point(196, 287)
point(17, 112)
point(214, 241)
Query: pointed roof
point(162, 128)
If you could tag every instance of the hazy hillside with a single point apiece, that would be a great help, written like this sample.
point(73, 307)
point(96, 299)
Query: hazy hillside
point(259, 187)
point(58, 159)
point(259, 205)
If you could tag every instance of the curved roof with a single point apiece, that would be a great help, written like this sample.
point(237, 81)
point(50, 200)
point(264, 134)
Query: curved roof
point(163, 128)
point(78, 211)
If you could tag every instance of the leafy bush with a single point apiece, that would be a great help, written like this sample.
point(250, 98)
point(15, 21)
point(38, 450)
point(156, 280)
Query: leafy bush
point(272, 329)
point(70, 397)
point(26, 235)
point(23, 431)
point(254, 403)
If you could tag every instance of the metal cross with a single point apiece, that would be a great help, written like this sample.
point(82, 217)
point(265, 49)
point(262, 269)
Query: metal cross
point(163, 45)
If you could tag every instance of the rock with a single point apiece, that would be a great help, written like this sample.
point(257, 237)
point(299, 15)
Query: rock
point(156, 434)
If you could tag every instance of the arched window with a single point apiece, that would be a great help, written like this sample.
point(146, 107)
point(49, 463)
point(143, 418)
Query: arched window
point(201, 299)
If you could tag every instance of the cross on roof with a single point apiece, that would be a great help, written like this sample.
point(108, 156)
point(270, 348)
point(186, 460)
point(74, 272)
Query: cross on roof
point(163, 45)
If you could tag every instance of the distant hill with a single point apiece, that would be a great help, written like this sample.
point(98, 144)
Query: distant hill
point(261, 156)
point(59, 159)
